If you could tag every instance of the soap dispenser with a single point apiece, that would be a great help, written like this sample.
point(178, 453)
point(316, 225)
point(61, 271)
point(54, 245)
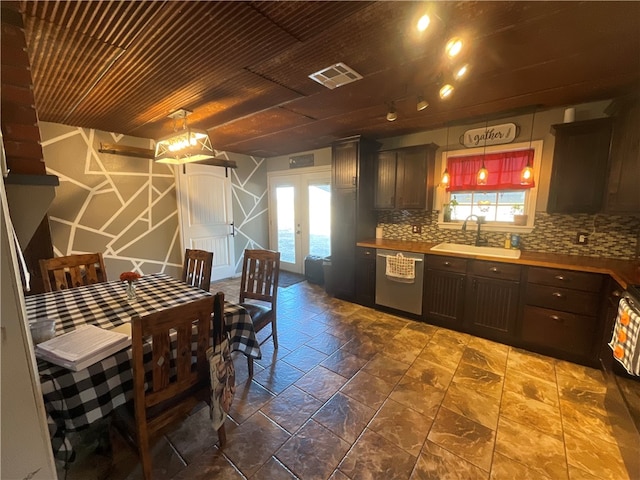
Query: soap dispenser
point(507, 241)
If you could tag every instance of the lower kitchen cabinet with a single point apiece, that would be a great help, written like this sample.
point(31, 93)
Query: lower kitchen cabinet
point(565, 314)
point(561, 314)
point(366, 276)
point(443, 300)
point(492, 295)
point(558, 331)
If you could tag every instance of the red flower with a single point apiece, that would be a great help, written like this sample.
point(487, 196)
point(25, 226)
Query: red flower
point(129, 276)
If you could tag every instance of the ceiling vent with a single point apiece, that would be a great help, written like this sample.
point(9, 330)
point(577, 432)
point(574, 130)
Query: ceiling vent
point(335, 76)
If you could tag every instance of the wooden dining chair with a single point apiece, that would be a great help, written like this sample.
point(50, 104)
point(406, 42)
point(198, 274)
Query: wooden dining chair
point(72, 271)
point(259, 291)
point(172, 384)
point(197, 268)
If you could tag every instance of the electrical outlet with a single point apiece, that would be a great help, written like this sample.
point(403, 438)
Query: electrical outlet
point(582, 238)
point(416, 228)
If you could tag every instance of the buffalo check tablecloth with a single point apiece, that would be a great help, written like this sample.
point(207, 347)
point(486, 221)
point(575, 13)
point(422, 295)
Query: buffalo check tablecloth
point(73, 400)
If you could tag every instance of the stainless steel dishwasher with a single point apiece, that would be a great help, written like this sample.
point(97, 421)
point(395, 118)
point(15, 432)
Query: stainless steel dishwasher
point(399, 280)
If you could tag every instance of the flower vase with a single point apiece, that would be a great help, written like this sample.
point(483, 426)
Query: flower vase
point(131, 290)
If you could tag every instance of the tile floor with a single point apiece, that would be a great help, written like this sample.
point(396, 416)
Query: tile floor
point(357, 394)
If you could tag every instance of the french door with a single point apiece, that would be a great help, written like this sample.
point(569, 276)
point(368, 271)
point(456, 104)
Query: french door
point(300, 215)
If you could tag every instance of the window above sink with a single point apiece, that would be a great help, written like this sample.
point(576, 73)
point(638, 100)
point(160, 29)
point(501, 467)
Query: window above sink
point(505, 210)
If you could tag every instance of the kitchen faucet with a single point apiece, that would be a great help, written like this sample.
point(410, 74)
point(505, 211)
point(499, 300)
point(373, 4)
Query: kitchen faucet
point(479, 222)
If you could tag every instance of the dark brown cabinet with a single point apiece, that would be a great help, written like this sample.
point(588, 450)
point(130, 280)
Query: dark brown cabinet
point(352, 215)
point(561, 313)
point(492, 297)
point(443, 300)
point(622, 194)
point(366, 276)
point(404, 178)
point(579, 169)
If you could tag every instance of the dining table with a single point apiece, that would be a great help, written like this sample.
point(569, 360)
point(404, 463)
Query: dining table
point(74, 400)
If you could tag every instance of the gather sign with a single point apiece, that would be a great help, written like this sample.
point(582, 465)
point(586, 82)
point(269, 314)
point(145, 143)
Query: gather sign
point(493, 135)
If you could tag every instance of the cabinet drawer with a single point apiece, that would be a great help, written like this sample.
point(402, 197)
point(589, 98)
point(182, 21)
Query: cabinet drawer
point(590, 282)
point(449, 264)
point(365, 252)
point(562, 299)
point(503, 271)
point(558, 330)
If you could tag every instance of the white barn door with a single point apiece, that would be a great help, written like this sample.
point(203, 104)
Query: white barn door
point(206, 217)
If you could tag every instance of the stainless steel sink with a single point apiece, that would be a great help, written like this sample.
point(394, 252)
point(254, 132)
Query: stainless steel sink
point(473, 250)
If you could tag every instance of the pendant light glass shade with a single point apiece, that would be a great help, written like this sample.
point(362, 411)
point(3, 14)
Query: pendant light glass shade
point(483, 175)
point(445, 178)
point(526, 177)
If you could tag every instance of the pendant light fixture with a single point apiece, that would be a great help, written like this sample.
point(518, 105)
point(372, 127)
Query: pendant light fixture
point(483, 173)
point(183, 146)
point(445, 175)
point(526, 176)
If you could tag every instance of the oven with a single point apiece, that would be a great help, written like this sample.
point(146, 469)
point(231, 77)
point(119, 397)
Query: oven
point(618, 355)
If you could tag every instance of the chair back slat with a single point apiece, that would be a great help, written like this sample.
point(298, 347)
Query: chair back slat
point(196, 270)
point(72, 271)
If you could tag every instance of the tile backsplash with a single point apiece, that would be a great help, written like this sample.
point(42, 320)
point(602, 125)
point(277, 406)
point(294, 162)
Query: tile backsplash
point(612, 236)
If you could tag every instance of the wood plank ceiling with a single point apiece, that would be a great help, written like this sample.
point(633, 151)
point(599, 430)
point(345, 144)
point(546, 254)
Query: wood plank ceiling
point(242, 67)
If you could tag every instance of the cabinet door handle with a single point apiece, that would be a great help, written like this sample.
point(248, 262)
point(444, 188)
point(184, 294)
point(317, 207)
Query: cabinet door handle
point(560, 277)
point(446, 264)
point(557, 294)
point(556, 318)
point(616, 294)
point(353, 180)
point(494, 270)
point(367, 252)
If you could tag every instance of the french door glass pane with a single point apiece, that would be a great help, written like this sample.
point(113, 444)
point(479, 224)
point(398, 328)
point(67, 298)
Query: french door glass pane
point(286, 223)
point(320, 220)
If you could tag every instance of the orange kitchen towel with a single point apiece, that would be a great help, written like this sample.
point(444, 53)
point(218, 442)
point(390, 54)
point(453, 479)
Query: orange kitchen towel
point(624, 341)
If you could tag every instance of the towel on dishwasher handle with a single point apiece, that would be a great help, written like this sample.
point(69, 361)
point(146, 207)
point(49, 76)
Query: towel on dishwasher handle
point(400, 268)
point(624, 342)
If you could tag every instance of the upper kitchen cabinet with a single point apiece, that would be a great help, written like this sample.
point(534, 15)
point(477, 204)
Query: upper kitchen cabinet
point(404, 178)
point(579, 167)
point(622, 194)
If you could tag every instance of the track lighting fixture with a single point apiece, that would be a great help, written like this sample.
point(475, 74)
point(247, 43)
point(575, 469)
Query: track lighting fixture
point(422, 103)
point(423, 23)
point(391, 114)
point(453, 47)
point(461, 72)
point(446, 90)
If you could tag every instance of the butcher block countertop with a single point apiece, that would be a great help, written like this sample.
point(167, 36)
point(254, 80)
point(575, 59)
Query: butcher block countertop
point(625, 272)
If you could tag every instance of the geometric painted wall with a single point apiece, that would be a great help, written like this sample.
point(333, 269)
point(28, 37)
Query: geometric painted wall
point(126, 207)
